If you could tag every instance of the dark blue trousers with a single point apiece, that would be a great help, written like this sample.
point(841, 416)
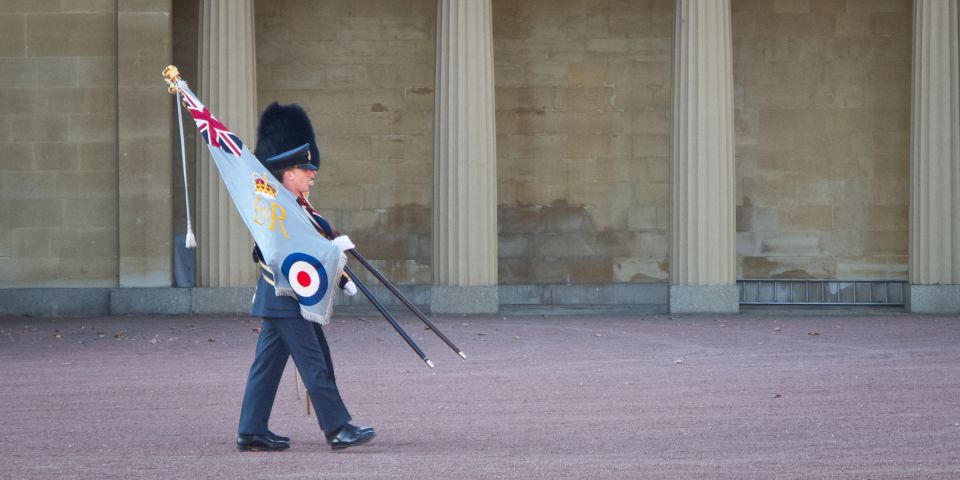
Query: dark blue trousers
point(304, 340)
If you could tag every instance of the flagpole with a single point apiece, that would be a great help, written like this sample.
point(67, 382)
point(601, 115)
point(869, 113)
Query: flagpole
point(330, 233)
point(386, 314)
point(403, 299)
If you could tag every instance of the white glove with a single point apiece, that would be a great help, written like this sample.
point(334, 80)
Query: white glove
point(343, 243)
point(350, 288)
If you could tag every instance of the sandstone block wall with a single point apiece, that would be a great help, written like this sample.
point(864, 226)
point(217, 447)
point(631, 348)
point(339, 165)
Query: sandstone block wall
point(823, 124)
point(583, 108)
point(145, 144)
point(364, 71)
point(58, 144)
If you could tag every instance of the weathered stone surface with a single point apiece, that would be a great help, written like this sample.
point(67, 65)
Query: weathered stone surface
point(59, 215)
point(939, 299)
point(12, 39)
point(704, 299)
point(91, 6)
point(79, 34)
point(759, 267)
point(454, 299)
point(826, 82)
point(97, 70)
point(583, 97)
point(577, 104)
point(633, 270)
point(53, 301)
point(164, 301)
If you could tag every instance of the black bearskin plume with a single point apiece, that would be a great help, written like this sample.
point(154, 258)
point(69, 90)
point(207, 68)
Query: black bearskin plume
point(283, 128)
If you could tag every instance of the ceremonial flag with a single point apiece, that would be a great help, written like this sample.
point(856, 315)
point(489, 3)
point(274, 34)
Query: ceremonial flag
point(304, 265)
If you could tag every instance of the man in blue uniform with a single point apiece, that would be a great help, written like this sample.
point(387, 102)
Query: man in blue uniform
point(284, 332)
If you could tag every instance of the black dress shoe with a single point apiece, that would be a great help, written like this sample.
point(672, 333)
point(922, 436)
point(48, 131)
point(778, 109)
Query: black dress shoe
point(259, 443)
point(350, 436)
point(363, 429)
point(277, 438)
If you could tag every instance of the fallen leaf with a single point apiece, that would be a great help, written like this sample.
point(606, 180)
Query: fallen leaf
point(119, 334)
point(813, 333)
point(256, 330)
point(211, 339)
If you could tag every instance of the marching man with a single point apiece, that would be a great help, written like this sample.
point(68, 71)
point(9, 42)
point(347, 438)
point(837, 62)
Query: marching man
point(285, 140)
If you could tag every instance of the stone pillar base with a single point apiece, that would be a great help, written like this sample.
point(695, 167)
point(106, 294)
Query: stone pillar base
point(704, 299)
point(934, 299)
point(451, 299)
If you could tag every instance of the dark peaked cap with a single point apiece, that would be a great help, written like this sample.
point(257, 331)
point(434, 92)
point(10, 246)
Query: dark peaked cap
point(283, 128)
point(299, 157)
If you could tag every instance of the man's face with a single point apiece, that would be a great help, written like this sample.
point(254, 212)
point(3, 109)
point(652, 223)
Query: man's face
point(298, 180)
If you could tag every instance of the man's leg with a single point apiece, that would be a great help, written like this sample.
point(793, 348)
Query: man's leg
point(318, 330)
point(263, 380)
point(312, 359)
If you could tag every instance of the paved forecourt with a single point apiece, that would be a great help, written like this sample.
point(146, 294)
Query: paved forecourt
point(756, 395)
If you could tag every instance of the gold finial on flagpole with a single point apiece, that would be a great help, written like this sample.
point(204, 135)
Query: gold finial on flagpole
point(171, 74)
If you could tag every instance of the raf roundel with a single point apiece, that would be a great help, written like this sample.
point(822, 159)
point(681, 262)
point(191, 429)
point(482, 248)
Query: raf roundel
point(307, 277)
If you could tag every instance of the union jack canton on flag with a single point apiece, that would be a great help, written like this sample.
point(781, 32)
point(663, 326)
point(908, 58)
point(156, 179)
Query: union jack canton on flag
point(305, 265)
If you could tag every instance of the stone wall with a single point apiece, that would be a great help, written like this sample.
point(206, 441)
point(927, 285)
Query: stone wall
point(823, 124)
point(583, 105)
point(58, 144)
point(145, 144)
point(364, 71)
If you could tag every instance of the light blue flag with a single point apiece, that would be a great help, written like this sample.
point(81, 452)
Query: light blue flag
point(304, 264)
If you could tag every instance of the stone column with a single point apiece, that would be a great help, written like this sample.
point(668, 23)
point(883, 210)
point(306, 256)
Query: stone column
point(935, 159)
point(703, 248)
point(144, 109)
point(464, 158)
point(227, 86)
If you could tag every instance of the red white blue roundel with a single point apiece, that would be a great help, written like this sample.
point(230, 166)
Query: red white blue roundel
point(307, 277)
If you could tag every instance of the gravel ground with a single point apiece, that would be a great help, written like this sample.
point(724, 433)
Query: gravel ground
point(757, 395)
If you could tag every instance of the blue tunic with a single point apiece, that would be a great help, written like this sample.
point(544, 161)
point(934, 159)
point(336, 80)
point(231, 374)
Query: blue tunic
point(267, 304)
